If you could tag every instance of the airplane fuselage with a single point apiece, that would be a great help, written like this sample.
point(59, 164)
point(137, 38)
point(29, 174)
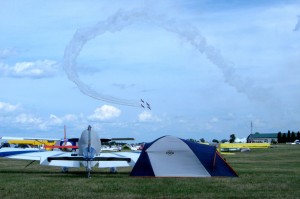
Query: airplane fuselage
point(89, 144)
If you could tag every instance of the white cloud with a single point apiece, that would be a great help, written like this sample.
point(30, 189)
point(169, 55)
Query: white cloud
point(27, 119)
point(105, 112)
point(56, 121)
point(147, 116)
point(70, 117)
point(37, 69)
point(30, 121)
point(230, 116)
point(7, 52)
point(211, 124)
point(214, 120)
point(8, 107)
point(53, 119)
point(10, 116)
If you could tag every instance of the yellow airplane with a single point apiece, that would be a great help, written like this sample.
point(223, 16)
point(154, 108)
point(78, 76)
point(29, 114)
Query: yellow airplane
point(237, 146)
point(31, 141)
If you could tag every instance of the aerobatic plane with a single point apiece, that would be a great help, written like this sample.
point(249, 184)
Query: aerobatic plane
point(86, 153)
point(297, 27)
point(143, 105)
point(148, 105)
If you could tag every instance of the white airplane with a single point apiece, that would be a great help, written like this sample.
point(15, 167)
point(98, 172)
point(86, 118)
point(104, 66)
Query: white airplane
point(88, 155)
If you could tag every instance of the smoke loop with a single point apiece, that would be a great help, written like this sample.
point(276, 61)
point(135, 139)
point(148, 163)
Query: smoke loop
point(183, 29)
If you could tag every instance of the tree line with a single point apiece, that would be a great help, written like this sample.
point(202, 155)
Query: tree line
point(288, 137)
point(231, 139)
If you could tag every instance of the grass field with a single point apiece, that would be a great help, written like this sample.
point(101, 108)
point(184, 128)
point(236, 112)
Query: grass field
point(263, 173)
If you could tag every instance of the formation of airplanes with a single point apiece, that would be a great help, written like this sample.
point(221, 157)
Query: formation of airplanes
point(145, 104)
point(87, 153)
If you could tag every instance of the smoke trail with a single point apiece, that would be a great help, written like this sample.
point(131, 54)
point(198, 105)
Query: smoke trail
point(297, 27)
point(183, 29)
point(73, 49)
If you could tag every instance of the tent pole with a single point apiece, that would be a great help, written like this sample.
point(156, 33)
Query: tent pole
point(214, 163)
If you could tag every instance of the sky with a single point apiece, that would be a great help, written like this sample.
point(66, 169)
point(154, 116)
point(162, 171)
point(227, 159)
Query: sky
point(207, 68)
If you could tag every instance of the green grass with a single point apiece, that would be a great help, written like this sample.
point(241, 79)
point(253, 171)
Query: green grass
point(263, 173)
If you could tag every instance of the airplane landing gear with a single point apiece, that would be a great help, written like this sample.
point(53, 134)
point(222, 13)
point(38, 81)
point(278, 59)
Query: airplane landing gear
point(88, 173)
point(65, 170)
point(88, 169)
point(113, 170)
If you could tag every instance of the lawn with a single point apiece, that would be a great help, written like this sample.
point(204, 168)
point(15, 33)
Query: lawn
point(263, 173)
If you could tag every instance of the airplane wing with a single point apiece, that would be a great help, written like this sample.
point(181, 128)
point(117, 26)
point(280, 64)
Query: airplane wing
point(107, 164)
point(66, 159)
point(81, 158)
point(105, 160)
point(114, 139)
point(67, 139)
point(25, 138)
point(38, 155)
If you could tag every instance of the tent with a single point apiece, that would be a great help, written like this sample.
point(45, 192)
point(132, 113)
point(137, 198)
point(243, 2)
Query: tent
point(170, 156)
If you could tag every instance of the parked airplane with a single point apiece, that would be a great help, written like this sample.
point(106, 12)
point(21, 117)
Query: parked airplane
point(88, 154)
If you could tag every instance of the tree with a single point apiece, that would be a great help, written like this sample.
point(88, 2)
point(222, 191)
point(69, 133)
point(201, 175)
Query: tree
point(283, 139)
point(202, 140)
point(288, 138)
point(216, 141)
point(224, 140)
point(293, 137)
point(192, 140)
point(298, 135)
point(232, 138)
point(279, 137)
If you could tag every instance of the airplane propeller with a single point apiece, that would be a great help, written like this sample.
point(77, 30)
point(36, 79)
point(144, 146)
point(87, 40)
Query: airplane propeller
point(65, 136)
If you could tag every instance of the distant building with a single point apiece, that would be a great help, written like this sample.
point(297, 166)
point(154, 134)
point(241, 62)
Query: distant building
point(262, 137)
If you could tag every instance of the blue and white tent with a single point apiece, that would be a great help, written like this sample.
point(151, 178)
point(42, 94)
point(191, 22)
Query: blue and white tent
point(170, 156)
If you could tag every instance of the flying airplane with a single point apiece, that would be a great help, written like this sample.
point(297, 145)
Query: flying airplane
point(148, 105)
point(297, 27)
point(143, 104)
point(88, 155)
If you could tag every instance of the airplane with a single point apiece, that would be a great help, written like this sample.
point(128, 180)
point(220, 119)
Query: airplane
point(148, 105)
point(88, 155)
point(297, 26)
point(143, 104)
point(30, 142)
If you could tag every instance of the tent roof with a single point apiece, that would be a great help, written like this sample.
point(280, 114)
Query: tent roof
point(169, 156)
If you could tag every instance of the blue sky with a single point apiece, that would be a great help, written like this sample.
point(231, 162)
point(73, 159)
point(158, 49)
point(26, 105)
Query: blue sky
point(207, 68)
